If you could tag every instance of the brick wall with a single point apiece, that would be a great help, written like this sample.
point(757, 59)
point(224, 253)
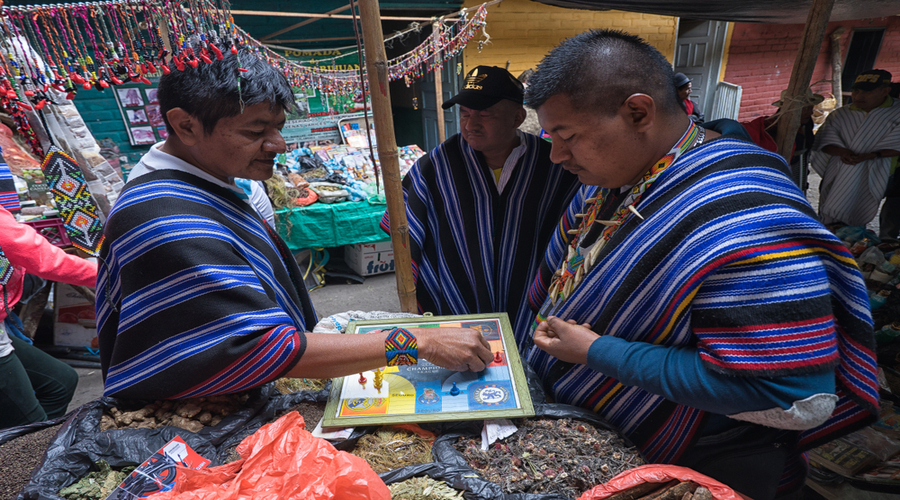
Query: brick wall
point(761, 58)
point(103, 119)
point(523, 32)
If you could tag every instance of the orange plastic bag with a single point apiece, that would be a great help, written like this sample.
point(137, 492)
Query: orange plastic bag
point(281, 460)
point(654, 473)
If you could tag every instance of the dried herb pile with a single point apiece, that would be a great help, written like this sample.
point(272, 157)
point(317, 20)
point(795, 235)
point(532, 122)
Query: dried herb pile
point(391, 448)
point(189, 414)
point(20, 456)
point(563, 457)
point(292, 385)
point(423, 488)
point(96, 485)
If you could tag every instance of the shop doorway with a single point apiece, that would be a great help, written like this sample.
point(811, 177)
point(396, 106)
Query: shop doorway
point(698, 54)
point(450, 85)
point(861, 55)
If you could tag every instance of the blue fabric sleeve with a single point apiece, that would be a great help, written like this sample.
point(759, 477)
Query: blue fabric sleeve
point(679, 375)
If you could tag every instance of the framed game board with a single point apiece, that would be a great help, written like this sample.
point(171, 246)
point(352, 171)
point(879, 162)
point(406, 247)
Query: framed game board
point(428, 393)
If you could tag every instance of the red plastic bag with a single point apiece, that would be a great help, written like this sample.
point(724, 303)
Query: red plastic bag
point(654, 473)
point(306, 199)
point(281, 460)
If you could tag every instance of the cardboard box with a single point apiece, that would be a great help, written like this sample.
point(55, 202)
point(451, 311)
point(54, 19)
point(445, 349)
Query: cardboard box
point(75, 322)
point(367, 259)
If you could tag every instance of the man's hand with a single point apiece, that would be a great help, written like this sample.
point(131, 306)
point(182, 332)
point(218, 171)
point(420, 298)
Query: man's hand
point(565, 340)
point(849, 157)
point(457, 349)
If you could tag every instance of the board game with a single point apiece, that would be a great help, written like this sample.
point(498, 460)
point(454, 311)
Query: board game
point(428, 393)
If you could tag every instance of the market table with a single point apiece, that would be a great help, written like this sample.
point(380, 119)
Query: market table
point(331, 225)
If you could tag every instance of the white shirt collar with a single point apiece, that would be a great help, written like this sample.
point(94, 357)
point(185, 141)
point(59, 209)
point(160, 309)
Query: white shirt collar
point(157, 159)
point(511, 161)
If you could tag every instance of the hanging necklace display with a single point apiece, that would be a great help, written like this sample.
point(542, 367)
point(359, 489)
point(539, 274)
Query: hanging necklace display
point(580, 260)
point(101, 44)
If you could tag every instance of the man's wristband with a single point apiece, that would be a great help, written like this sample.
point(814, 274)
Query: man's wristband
point(401, 348)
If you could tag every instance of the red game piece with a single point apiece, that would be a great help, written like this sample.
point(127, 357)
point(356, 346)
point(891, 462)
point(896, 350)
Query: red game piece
point(498, 358)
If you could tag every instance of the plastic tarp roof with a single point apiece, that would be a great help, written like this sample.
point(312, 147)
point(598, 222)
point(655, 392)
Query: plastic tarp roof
point(761, 11)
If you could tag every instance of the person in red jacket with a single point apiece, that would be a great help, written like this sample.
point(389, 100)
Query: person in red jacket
point(34, 386)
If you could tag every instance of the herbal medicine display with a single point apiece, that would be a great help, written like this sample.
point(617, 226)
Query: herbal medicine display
point(428, 393)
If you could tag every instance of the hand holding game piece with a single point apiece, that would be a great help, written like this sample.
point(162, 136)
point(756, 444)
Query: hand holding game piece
point(457, 349)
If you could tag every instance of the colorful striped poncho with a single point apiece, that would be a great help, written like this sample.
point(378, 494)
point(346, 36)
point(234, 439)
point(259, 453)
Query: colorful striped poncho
point(475, 250)
point(731, 259)
point(196, 295)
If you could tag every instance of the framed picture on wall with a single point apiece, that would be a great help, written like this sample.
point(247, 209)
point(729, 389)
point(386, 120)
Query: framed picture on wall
point(154, 115)
point(139, 106)
point(137, 116)
point(130, 97)
point(143, 135)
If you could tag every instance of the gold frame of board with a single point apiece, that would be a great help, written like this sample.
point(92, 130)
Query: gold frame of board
point(427, 393)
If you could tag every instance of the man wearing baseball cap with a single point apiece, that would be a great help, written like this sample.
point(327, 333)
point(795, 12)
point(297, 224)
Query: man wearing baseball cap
point(483, 205)
point(856, 152)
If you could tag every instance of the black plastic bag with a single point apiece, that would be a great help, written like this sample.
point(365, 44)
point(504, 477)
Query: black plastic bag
point(80, 443)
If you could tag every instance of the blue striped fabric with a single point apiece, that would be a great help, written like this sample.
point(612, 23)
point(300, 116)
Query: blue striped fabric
point(194, 298)
point(9, 197)
point(731, 259)
point(475, 250)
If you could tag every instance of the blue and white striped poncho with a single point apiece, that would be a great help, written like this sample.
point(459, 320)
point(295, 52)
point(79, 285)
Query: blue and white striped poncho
point(196, 295)
point(475, 250)
point(731, 259)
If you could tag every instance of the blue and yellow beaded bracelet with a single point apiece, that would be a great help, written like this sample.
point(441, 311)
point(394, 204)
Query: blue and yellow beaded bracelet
point(401, 348)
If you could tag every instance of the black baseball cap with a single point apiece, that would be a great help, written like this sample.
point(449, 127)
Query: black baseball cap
point(871, 80)
point(485, 86)
point(681, 80)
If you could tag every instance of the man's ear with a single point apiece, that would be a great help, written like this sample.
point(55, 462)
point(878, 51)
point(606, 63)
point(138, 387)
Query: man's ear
point(188, 129)
point(521, 114)
point(639, 111)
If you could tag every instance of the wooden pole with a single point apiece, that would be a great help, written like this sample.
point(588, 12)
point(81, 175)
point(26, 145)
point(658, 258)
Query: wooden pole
point(836, 69)
point(801, 75)
point(439, 88)
point(379, 89)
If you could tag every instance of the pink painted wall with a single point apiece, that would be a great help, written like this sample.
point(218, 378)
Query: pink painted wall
point(761, 57)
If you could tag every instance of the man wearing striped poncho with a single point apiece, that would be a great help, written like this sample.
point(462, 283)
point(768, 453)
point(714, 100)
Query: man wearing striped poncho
point(197, 295)
point(482, 206)
point(700, 307)
point(856, 152)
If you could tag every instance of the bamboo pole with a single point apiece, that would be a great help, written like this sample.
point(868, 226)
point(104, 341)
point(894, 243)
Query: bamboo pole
point(801, 74)
point(836, 69)
point(379, 89)
point(439, 89)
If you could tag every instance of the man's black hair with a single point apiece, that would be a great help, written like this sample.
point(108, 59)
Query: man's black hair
point(599, 69)
point(209, 92)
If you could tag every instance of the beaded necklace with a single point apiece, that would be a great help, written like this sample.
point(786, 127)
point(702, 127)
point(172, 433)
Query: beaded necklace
point(579, 261)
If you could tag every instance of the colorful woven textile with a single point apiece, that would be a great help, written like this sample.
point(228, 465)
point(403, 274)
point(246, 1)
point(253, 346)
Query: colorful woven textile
point(198, 296)
point(9, 199)
point(730, 259)
point(6, 269)
point(473, 249)
point(73, 200)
